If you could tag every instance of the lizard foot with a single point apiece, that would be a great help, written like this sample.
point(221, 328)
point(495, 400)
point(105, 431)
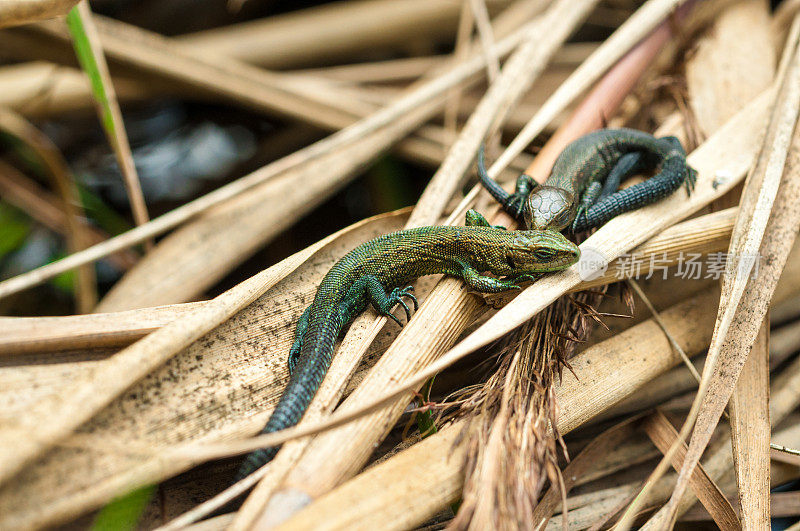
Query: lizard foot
point(396, 297)
point(690, 180)
point(520, 278)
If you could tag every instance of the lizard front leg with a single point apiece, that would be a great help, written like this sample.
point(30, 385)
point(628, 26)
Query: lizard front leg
point(483, 283)
point(476, 219)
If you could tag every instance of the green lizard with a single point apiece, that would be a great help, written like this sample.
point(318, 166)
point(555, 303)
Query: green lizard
point(372, 272)
point(581, 192)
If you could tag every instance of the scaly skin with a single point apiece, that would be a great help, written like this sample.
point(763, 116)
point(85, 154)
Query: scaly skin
point(581, 191)
point(367, 274)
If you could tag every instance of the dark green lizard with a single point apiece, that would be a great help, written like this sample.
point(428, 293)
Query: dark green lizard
point(581, 192)
point(369, 272)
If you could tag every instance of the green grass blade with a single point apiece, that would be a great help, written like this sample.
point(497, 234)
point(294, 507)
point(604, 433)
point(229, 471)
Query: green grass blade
point(124, 512)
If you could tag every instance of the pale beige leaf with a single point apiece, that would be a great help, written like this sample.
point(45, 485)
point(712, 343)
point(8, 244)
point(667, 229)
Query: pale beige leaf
point(750, 429)
point(664, 435)
point(16, 12)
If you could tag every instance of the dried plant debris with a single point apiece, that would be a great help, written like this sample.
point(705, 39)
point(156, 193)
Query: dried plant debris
point(265, 145)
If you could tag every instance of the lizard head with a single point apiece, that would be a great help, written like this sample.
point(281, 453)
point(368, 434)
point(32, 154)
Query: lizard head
point(539, 251)
point(549, 207)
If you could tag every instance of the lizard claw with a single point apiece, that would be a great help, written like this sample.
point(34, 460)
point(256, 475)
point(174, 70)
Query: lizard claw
point(395, 319)
point(402, 303)
point(396, 297)
point(690, 180)
point(408, 291)
point(580, 223)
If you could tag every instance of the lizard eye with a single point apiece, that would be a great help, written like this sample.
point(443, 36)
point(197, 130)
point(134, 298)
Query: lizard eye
point(544, 254)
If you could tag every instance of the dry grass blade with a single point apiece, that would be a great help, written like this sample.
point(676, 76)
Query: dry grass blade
point(26, 335)
point(17, 12)
point(750, 430)
point(745, 305)
point(465, 23)
point(90, 55)
point(64, 185)
point(46, 208)
point(664, 435)
point(339, 29)
point(701, 235)
point(484, 27)
point(579, 467)
point(357, 505)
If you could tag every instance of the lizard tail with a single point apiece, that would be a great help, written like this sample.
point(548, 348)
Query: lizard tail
point(313, 362)
point(500, 195)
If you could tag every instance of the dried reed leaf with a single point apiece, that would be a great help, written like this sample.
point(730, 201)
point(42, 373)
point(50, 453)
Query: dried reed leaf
point(732, 63)
point(750, 428)
point(608, 500)
point(718, 459)
point(339, 31)
point(466, 22)
point(25, 335)
point(785, 396)
point(17, 12)
point(210, 390)
point(745, 304)
point(425, 463)
point(41, 89)
point(784, 504)
point(664, 435)
point(580, 465)
point(701, 235)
